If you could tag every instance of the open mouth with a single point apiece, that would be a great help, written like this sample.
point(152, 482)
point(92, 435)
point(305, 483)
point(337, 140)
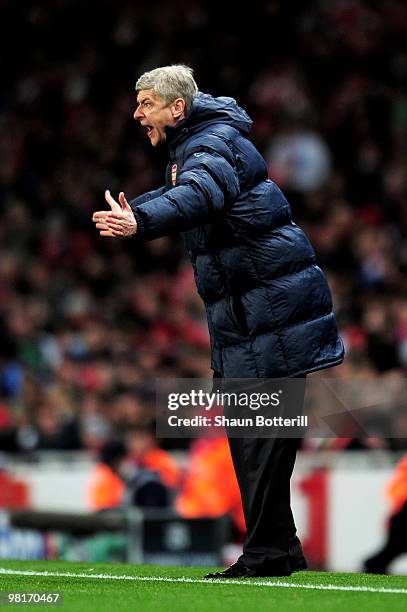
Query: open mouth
point(149, 129)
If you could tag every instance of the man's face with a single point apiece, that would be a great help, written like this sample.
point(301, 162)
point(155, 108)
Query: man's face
point(154, 114)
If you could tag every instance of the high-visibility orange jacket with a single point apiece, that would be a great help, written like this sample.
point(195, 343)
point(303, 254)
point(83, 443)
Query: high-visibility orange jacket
point(105, 489)
point(160, 461)
point(397, 488)
point(210, 487)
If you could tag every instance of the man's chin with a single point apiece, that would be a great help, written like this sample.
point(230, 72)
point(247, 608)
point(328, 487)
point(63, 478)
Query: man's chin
point(157, 142)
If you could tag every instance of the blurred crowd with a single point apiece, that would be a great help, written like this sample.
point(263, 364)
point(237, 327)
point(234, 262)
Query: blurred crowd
point(87, 324)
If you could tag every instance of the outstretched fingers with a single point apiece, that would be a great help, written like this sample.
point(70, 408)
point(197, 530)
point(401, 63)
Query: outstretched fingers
point(111, 201)
point(123, 202)
point(118, 221)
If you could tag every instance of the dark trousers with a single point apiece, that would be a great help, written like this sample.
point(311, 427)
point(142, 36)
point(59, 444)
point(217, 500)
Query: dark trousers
point(263, 468)
point(395, 545)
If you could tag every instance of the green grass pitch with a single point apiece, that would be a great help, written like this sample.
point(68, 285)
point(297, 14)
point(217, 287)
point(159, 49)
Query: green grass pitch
point(95, 587)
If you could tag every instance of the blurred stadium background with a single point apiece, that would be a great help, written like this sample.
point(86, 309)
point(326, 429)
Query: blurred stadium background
point(87, 324)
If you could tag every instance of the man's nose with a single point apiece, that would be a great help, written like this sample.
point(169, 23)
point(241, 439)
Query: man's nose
point(138, 114)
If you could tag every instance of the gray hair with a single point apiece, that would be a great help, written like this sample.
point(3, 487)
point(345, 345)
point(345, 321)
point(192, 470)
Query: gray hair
point(170, 83)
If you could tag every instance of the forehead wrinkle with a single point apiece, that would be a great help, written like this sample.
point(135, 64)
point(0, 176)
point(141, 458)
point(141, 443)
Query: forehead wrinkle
point(148, 96)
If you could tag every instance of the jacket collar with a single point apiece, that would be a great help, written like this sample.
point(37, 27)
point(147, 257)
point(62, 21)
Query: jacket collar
point(206, 110)
point(175, 134)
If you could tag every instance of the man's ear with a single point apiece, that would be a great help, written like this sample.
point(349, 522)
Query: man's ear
point(178, 108)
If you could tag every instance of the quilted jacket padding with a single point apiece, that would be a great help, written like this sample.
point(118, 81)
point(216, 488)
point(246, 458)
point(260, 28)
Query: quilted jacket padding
point(268, 303)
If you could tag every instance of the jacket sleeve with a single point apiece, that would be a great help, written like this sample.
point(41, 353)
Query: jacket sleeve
point(145, 197)
point(207, 185)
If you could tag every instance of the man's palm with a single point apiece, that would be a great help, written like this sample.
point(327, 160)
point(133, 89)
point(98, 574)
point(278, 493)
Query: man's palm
point(119, 221)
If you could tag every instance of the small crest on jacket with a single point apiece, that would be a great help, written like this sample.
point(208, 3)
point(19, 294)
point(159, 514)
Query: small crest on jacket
point(174, 174)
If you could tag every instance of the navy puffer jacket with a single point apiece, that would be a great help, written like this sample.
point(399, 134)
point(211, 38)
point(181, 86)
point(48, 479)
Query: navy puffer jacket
point(268, 304)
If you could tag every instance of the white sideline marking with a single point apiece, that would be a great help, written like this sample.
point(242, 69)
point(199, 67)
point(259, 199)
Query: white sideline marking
point(267, 583)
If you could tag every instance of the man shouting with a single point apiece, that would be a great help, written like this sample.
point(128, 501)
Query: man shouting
point(268, 304)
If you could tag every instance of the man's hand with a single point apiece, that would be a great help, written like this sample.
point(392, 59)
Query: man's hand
point(119, 221)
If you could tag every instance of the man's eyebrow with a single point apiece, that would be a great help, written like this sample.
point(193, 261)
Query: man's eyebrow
point(144, 100)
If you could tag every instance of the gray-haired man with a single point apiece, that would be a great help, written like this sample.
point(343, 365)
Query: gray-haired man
point(268, 304)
